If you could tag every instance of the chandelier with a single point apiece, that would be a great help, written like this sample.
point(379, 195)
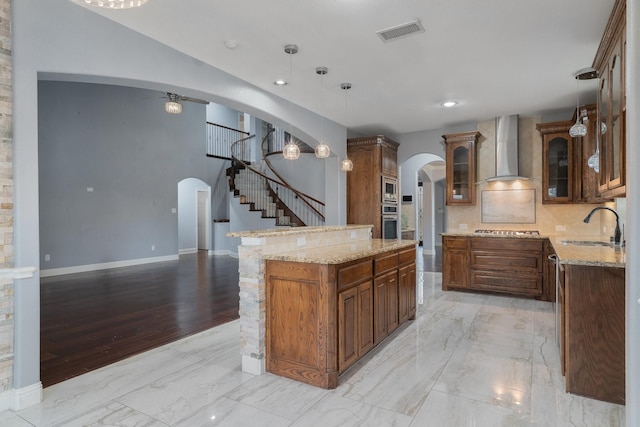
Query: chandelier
point(113, 4)
point(173, 106)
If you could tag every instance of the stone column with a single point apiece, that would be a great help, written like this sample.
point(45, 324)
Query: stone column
point(6, 200)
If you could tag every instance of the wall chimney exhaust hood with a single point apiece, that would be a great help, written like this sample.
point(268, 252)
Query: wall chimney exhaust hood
point(507, 149)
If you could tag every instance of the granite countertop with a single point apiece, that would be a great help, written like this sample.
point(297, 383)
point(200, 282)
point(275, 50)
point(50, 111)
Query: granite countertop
point(343, 252)
point(291, 231)
point(571, 254)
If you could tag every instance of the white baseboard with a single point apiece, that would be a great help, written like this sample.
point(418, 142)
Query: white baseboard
point(103, 266)
point(188, 251)
point(221, 252)
point(20, 398)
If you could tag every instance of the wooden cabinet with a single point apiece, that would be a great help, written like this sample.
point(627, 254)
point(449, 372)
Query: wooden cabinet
point(512, 266)
point(455, 262)
point(355, 323)
point(461, 168)
point(610, 63)
point(558, 162)
point(322, 318)
point(374, 158)
point(407, 285)
point(593, 341)
point(504, 265)
point(386, 296)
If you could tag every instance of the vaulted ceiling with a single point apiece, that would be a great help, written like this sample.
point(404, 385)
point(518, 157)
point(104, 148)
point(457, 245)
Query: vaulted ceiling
point(494, 57)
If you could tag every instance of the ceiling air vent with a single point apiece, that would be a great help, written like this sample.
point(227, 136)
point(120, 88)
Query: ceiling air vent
point(400, 31)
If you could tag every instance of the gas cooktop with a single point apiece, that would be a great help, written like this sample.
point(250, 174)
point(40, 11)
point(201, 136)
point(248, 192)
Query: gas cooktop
point(510, 232)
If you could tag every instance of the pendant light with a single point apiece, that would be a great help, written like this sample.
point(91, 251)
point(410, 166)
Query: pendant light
point(322, 150)
point(173, 106)
point(578, 129)
point(113, 4)
point(346, 165)
point(291, 151)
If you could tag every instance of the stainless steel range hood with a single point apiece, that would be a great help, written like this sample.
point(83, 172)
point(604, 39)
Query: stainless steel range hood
point(507, 149)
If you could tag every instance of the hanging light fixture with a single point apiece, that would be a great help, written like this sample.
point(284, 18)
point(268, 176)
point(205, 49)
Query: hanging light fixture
point(346, 165)
point(291, 151)
point(173, 106)
point(578, 129)
point(113, 4)
point(322, 150)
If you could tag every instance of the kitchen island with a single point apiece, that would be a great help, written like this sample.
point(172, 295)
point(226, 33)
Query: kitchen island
point(343, 251)
point(328, 307)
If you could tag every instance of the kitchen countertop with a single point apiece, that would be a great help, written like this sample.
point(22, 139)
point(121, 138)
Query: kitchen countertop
point(291, 231)
point(343, 252)
point(571, 254)
point(604, 256)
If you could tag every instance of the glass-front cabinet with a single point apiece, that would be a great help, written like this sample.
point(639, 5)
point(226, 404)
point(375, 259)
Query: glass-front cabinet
point(609, 62)
point(461, 168)
point(558, 169)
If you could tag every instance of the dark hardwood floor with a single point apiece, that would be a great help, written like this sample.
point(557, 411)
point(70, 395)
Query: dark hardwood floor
point(433, 262)
point(89, 320)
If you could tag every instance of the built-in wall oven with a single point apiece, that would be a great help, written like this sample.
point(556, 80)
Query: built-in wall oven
point(390, 227)
point(389, 221)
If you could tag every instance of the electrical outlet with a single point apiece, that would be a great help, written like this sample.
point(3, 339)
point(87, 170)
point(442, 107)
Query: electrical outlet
point(173, 210)
point(462, 226)
point(89, 189)
point(153, 247)
point(47, 257)
point(353, 234)
point(561, 228)
point(301, 241)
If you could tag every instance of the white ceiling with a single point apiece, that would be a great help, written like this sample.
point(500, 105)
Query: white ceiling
point(494, 57)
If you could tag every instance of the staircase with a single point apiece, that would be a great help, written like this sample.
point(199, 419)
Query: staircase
point(253, 190)
point(260, 186)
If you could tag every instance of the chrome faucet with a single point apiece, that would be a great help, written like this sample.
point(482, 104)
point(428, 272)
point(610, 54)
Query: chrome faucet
point(616, 235)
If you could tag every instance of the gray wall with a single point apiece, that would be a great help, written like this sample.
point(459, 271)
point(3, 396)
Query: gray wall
point(120, 142)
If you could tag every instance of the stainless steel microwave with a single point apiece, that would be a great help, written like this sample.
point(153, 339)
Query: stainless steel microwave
point(389, 190)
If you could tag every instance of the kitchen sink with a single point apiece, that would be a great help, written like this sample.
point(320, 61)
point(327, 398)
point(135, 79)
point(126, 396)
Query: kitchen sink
point(585, 242)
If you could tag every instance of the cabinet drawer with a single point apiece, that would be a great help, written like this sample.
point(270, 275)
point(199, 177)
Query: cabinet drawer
point(498, 243)
point(354, 274)
point(513, 262)
point(406, 257)
point(385, 263)
point(456, 242)
point(496, 281)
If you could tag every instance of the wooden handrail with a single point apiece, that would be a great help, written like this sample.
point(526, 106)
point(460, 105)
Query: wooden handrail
point(227, 127)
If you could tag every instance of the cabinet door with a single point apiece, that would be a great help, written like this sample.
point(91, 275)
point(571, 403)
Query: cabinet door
point(348, 341)
point(380, 309)
point(455, 262)
point(355, 324)
point(461, 168)
point(605, 128)
point(615, 150)
point(365, 317)
point(407, 290)
point(461, 187)
point(557, 168)
point(455, 269)
point(385, 305)
point(392, 302)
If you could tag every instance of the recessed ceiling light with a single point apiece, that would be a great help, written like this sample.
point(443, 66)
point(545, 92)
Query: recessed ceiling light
point(449, 104)
point(280, 82)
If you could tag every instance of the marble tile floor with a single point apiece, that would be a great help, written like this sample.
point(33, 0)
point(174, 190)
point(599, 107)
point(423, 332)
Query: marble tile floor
point(467, 360)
